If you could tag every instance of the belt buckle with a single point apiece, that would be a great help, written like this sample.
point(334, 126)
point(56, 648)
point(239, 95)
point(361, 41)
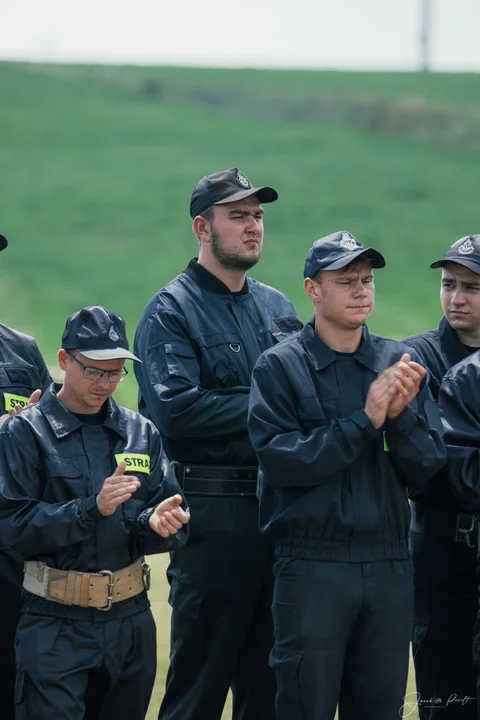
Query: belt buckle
point(146, 575)
point(109, 574)
point(464, 535)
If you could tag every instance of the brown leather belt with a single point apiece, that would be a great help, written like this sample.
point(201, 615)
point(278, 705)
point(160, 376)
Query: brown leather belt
point(95, 590)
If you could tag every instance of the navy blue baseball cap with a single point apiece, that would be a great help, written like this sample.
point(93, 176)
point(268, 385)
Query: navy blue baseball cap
point(465, 251)
point(224, 187)
point(3, 242)
point(98, 334)
point(337, 250)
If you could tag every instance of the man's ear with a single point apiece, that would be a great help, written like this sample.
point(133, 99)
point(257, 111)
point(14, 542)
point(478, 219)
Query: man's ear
point(312, 288)
point(62, 358)
point(201, 228)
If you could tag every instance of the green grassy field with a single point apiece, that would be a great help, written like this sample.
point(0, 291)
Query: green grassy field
point(97, 166)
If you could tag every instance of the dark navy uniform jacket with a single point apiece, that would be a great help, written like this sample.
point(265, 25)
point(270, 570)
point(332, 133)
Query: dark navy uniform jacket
point(439, 350)
point(52, 466)
point(332, 486)
point(459, 403)
point(199, 343)
point(22, 369)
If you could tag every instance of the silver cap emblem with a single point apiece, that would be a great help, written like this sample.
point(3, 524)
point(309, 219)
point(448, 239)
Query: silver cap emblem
point(466, 248)
point(348, 242)
point(243, 181)
point(113, 335)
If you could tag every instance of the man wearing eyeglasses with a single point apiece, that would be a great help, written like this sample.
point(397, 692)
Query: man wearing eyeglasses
point(86, 491)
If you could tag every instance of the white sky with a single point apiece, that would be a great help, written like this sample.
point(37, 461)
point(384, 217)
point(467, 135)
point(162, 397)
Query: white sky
point(350, 34)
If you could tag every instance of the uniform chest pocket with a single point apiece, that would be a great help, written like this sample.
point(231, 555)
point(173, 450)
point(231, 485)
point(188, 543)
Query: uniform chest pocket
point(179, 360)
point(314, 413)
point(224, 360)
point(66, 478)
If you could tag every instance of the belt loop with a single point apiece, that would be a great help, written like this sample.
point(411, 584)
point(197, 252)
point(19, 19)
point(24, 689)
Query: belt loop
point(70, 587)
point(84, 589)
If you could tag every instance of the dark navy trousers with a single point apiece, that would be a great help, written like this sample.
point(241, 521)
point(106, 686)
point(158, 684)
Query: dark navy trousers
point(342, 633)
point(446, 604)
point(82, 670)
point(11, 578)
point(221, 627)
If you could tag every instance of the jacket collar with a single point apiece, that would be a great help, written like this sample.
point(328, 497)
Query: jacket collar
point(452, 349)
point(63, 422)
point(210, 282)
point(322, 355)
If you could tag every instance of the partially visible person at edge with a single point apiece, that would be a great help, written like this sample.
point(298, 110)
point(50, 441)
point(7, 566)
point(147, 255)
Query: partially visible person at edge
point(23, 377)
point(342, 422)
point(199, 338)
point(86, 491)
point(443, 533)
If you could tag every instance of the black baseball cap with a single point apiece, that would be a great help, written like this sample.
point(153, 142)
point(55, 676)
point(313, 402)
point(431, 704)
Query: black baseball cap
point(465, 251)
point(337, 250)
point(224, 187)
point(3, 242)
point(97, 333)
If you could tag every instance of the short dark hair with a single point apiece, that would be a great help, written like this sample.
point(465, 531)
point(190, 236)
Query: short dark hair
point(209, 214)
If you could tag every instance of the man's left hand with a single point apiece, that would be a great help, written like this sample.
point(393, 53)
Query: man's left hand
point(169, 517)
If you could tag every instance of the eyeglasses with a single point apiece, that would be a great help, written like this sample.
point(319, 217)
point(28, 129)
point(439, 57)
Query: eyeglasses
point(91, 373)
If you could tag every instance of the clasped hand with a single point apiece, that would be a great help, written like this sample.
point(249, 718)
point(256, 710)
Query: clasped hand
point(393, 390)
point(168, 516)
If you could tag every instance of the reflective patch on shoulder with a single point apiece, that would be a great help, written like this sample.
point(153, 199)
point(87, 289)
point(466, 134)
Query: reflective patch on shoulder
point(19, 376)
point(134, 462)
point(288, 323)
point(12, 400)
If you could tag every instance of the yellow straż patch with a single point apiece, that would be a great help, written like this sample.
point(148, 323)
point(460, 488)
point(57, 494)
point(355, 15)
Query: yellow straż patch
point(12, 400)
point(134, 461)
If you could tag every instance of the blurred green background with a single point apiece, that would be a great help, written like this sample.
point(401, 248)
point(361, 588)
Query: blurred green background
point(97, 165)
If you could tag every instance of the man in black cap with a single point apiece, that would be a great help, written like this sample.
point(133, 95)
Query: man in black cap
point(23, 376)
point(199, 338)
point(444, 527)
point(86, 492)
point(339, 419)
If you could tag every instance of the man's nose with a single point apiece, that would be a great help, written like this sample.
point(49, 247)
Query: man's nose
point(458, 297)
point(254, 224)
point(360, 288)
point(104, 381)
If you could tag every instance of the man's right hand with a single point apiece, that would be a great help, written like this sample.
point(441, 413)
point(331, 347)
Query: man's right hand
point(116, 489)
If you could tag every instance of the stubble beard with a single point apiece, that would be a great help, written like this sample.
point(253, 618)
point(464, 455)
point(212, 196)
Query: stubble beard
point(230, 260)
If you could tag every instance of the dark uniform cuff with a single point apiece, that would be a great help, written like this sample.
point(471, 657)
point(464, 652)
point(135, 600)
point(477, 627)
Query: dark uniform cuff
point(361, 419)
point(405, 421)
point(89, 509)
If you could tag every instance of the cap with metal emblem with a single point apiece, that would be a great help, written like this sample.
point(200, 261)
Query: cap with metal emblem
point(337, 250)
point(465, 251)
point(98, 334)
point(224, 187)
